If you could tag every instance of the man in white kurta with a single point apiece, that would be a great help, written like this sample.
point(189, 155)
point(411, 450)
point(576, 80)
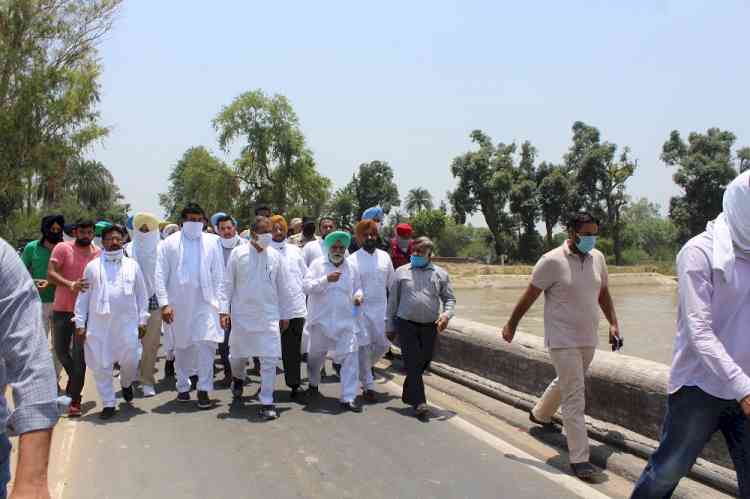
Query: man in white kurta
point(189, 274)
point(376, 272)
point(254, 286)
point(333, 287)
point(110, 316)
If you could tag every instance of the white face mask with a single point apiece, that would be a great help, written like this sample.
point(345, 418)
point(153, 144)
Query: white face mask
point(264, 240)
point(230, 243)
point(113, 256)
point(192, 230)
point(146, 240)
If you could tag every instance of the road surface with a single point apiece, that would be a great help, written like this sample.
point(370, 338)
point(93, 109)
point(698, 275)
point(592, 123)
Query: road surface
point(158, 448)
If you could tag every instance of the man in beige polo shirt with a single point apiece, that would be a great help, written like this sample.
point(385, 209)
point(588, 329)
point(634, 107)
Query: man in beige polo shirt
point(574, 280)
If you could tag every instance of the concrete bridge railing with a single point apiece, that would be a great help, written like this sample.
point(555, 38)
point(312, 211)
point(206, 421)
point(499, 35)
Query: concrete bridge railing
point(620, 389)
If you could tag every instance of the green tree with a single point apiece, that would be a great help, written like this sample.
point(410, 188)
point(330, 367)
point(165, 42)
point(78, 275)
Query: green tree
point(524, 203)
point(485, 178)
point(202, 178)
point(743, 159)
point(417, 200)
point(430, 223)
point(704, 168)
point(648, 231)
point(49, 88)
point(600, 178)
point(555, 188)
point(343, 206)
point(373, 185)
point(275, 164)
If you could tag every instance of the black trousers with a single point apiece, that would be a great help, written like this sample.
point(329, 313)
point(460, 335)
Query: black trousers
point(291, 355)
point(417, 346)
point(69, 352)
point(224, 353)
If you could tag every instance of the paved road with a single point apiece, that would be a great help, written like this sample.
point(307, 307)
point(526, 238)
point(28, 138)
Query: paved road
point(158, 448)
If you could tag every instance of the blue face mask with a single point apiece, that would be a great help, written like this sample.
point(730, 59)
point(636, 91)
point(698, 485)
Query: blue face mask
point(419, 261)
point(585, 244)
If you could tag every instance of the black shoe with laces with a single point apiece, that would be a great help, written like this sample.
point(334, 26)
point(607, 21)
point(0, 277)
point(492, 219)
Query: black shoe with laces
point(127, 394)
point(107, 413)
point(237, 387)
point(203, 401)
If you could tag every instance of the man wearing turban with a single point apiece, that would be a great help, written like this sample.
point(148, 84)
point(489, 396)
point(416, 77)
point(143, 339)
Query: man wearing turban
point(335, 296)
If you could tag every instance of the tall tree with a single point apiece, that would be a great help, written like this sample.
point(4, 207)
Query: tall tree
point(600, 175)
point(555, 188)
point(274, 165)
point(343, 206)
point(485, 177)
point(49, 88)
point(524, 203)
point(202, 178)
point(704, 168)
point(743, 159)
point(373, 185)
point(418, 199)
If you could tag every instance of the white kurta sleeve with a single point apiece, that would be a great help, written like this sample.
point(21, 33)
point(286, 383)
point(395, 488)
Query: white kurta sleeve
point(314, 282)
point(217, 270)
point(141, 296)
point(284, 292)
point(227, 284)
point(357, 288)
point(81, 311)
point(162, 275)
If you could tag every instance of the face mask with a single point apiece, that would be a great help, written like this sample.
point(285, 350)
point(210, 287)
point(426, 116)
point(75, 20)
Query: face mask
point(53, 237)
point(264, 240)
point(336, 258)
point(419, 261)
point(113, 255)
point(192, 230)
point(230, 243)
point(369, 245)
point(585, 243)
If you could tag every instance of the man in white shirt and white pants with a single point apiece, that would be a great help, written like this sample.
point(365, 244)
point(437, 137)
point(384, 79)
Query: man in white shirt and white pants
point(189, 274)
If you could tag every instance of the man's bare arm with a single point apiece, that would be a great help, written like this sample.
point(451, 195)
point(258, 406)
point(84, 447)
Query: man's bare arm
point(31, 471)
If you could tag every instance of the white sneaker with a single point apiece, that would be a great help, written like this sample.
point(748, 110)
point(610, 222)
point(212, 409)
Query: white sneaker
point(148, 391)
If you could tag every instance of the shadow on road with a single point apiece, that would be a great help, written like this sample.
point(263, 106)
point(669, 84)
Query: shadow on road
point(174, 407)
point(125, 412)
point(250, 413)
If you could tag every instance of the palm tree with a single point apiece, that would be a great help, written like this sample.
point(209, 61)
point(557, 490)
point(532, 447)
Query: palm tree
point(417, 200)
point(90, 182)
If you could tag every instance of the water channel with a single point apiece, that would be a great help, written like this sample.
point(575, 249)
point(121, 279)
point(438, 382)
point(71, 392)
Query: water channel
point(647, 316)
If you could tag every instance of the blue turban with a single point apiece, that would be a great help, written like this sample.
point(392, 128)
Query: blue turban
point(129, 223)
point(216, 216)
point(339, 235)
point(373, 213)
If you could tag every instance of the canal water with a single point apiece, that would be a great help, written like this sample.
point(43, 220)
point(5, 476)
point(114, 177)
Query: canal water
point(647, 316)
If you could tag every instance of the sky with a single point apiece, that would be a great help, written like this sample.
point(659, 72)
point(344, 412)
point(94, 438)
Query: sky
point(407, 82)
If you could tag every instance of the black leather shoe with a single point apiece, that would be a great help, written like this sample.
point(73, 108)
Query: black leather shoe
point(422, 413)
point(550, 426)
point(183, 397)
point(268, 413)
point(351, 406)
point(203, 401)
point(127, 394)
point(583, 471)
point(107, 413)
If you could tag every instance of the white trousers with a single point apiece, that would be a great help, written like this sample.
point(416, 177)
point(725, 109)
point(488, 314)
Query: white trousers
point(568, 392)
point(197, 358)
point(378, 347)
point(128, 361)
point(365, 367)
point(349, 370)
point(267, 375)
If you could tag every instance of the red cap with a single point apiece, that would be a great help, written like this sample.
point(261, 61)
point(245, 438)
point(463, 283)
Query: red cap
point(404, 230)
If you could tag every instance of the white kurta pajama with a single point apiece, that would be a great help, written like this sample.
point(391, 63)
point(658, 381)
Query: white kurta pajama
point(115, 304)
point(375, 272)
point(189, 273)
point(331, 322)
point(254, 286)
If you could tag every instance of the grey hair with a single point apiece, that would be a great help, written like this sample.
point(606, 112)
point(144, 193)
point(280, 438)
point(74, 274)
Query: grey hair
point(424, 242)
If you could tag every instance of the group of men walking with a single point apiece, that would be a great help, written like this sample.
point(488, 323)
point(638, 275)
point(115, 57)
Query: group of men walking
point(269, 297)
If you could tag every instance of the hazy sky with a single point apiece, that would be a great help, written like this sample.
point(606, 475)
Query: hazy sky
point(407, 82)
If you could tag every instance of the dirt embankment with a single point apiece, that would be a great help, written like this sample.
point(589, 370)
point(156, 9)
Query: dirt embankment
point(475, 275)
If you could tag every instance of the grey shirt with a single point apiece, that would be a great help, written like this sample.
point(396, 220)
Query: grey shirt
point(416, 294)
point(25, 360)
